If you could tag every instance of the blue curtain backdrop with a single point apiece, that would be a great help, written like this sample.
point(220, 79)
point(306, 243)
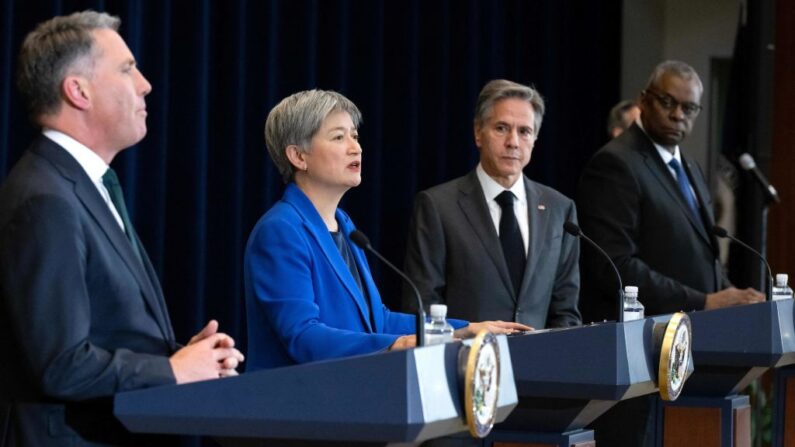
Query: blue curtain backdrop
point(201, 178)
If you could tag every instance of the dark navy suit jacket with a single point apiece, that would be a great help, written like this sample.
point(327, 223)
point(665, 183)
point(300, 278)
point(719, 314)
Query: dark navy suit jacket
point(81, 318)
point(631, 205)
point(302, 301)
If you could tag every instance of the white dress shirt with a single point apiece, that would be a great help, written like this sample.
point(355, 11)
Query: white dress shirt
point(91, 163)
point(491, 189)
point(667, 157)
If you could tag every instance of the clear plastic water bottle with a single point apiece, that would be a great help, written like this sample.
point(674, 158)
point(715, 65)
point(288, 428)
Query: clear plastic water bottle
point(438, 330)
point(633, 309)
point(781, 291)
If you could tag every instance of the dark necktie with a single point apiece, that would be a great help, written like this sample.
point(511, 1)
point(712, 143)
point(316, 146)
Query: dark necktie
point(111, 182)
point(684, 186)
point(511, 239)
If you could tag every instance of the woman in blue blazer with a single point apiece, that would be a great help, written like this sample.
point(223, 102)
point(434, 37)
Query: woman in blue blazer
point(309, 292)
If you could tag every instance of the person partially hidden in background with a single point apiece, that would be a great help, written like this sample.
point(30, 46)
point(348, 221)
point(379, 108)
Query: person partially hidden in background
point(82, 314)
point(621, 117)
point(309, 292)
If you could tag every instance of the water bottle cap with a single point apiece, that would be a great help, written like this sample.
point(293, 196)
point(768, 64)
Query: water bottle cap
point(631, 289)
point(438, 310)
point(781, 279)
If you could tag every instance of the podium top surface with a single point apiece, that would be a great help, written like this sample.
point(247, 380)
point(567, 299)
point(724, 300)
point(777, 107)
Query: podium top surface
point(602, 361)
point(753, 335)
point(402, 396)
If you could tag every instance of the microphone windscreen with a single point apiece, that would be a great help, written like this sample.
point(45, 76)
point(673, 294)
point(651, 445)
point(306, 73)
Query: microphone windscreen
point(359, 239)
point(572, 228)
point(719, 231)
point(747, 161)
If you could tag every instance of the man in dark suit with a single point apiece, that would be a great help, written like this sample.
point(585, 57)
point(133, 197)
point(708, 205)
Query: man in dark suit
point(491, 244)
point(647, 204)
point(82, 315)
point(653, 222)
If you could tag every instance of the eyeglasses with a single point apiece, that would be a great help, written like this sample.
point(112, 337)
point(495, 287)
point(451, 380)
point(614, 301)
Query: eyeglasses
point(689, 109)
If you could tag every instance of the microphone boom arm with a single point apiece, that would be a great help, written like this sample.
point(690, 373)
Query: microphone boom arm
point(574, 230)
point(362, 241)
point(723, 233)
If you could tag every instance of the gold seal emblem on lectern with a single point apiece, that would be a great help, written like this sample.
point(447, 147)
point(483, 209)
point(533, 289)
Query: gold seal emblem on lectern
point(676, 358)
point(481, 384)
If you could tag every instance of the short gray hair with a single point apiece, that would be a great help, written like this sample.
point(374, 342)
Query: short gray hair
point(677, 68)
point(50, 52)
point(297, 118)
point(500, 89)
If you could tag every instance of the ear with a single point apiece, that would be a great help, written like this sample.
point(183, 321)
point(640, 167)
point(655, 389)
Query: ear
point(476, 129)
point(643, 101)
point(296, 156)
point(75, 92)
point(642, 98)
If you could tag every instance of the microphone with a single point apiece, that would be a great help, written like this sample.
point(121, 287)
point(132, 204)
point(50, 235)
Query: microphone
point(574, 230)
point(363, 242)
point(722, 233)
point(748, 164)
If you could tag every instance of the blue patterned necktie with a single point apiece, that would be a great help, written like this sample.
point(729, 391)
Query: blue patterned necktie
point(111, 182)
point(684, 187)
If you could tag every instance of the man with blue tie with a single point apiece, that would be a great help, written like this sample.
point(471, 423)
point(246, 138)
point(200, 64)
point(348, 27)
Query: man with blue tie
point(647, 204)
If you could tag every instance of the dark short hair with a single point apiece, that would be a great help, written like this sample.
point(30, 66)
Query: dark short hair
point(51, 52)
point(500, 89)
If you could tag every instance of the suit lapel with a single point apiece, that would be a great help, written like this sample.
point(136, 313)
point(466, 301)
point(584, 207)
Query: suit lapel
point(364, 271)
point(702, 192)
point(537, 222)
point(157, 292)
point(473, 205)
point(661, 173)
point(319, 232)
point(91, 199)
point(88, 195)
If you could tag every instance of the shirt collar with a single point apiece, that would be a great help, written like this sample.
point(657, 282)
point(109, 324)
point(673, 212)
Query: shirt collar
point(664, 153)
point(94, 166)
point(492, 189)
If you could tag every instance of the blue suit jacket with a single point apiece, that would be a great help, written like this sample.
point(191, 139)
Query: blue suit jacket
point(302, 302)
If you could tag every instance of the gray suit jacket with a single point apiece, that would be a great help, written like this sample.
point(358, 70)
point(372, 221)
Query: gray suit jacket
point(631, 206)
point(81, 318)
point(455, 258)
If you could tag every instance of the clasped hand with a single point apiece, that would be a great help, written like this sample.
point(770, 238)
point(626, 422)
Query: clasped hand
point(209, 355)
